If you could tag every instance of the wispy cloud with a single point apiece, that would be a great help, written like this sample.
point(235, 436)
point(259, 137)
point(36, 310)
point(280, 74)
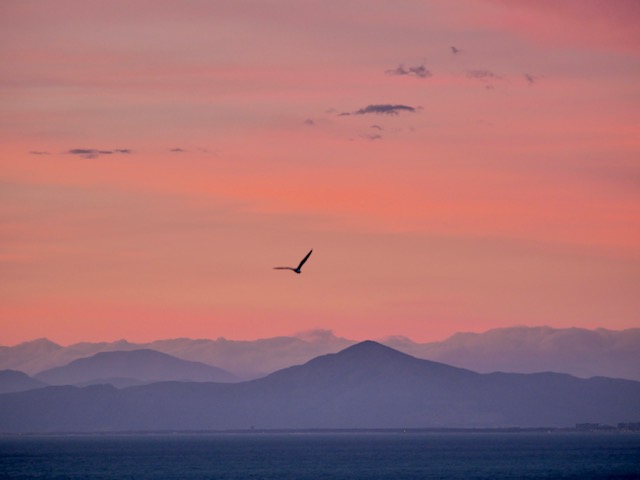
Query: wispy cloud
point(531, 79)
point(419, 71)
point(371, 136)
point(482, 74)
point(376, 127)
point(37, 152)
point(383, 109)
point(192, 150)
point(309, 122)
point(95, 153)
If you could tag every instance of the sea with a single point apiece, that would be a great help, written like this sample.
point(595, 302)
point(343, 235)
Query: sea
point(313, 455)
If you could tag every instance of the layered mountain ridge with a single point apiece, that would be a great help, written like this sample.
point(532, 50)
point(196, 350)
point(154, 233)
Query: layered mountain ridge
point(580, 352)
point(367, 385)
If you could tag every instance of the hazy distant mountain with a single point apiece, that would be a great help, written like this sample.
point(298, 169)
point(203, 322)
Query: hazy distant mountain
point(255, 358)
point(132, 367)
point(246, 359)
point(38, 355)
point(22, 357)
point(580, 352)
point(367, 385)
point(14, 381)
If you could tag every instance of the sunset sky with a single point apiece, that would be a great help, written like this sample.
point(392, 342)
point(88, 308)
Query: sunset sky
point(455, 165)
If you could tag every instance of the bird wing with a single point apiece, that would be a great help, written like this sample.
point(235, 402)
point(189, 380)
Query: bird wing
point(305, 259)
point(283, 268)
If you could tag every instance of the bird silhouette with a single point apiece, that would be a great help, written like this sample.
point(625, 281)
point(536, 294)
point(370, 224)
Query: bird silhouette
point(297, 269)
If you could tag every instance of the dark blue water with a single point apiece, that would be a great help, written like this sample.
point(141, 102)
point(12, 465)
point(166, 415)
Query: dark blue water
point(323, 456)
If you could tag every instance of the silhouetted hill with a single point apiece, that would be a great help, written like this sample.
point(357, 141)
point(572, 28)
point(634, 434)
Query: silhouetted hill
point(365, 363)
point(14, 381)
point(132, 367)
point(367, 385)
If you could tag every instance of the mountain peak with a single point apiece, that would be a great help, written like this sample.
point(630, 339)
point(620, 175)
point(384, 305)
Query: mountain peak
point(367, 354)
point(374, 357)
point(42, 342)
point(371, 347)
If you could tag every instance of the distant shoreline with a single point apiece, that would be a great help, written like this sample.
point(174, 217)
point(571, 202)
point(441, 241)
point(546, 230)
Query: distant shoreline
point(272, 431)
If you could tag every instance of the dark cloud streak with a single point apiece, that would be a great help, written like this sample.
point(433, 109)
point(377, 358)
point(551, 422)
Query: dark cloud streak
point(95, 153)
point(419, 71)
point(482, 74)
point(384, 109)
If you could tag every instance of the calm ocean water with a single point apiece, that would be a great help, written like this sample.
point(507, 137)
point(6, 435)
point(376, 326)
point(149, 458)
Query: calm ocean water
point(323, 456)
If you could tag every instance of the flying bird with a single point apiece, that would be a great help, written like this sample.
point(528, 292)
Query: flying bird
point(297, 269)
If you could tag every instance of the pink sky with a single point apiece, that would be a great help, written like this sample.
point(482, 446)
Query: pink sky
point(505, 191)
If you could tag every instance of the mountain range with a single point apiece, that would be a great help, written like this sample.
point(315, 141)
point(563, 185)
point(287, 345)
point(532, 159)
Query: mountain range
point(366, 385)
point(576, 351)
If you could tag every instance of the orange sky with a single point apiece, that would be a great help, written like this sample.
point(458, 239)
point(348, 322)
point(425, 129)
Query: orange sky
point(504, 190)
